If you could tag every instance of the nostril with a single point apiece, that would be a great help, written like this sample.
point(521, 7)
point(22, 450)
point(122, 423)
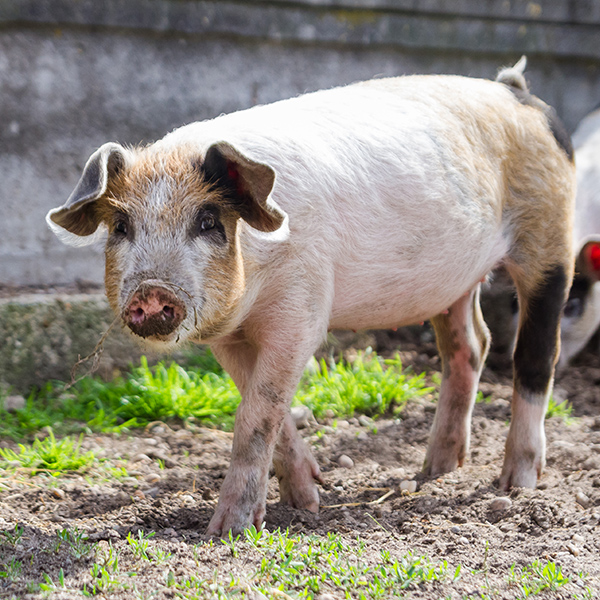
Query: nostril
point(137, 315)
point(168, 312)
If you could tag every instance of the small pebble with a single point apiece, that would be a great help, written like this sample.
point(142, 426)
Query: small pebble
point(578, 539)
point(591, 464)
point(573, 549)
point(129, 481)
point(139, 494)
point(582, 499)
point(152, 478)
point(301, 416)
point(455, 529)
point(188, 500)
point(141, 457)
point(170, 532)
point(408, 485)
point(499, 504)
point(12, 403)
point(58, 494)
point(463, 540)
point(345, 461)
point(365, 421)
point(398, 472)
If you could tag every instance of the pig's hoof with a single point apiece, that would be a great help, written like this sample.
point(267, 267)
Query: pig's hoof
point(435, 468)
point(440, 463)
point(519, 474)
point(306, 496)
point(234, 520)
point(445, 453)
point(297, 485)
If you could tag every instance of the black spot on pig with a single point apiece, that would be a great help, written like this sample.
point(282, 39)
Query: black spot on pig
point(537, 344)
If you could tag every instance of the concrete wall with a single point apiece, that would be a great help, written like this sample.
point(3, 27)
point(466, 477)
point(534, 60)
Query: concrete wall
point(77, 73)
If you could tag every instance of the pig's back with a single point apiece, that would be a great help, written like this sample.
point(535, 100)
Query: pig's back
point(393, 186)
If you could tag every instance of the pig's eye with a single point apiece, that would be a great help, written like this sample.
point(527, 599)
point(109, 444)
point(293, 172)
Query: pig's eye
point(208, 226)
point(573, 308)
point(206, 223)
point(121, 227)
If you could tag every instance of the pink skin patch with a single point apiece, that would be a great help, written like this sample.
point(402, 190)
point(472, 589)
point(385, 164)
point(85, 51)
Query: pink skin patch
point(154, 311)
point(234, 175)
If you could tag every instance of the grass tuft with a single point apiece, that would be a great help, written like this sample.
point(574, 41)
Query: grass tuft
point(560, 409)
point(48, 455)
point(368, 385)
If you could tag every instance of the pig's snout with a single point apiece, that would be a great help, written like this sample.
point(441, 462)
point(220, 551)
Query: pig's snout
point(154, 311)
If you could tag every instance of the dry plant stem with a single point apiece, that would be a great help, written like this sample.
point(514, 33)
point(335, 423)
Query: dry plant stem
point(378, 501)
point(94, 355)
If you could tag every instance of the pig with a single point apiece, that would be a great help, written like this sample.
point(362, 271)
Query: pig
point(375, 205)
point(582, 312)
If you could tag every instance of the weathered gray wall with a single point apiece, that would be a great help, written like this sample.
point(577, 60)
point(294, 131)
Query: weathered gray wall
point(77, 73)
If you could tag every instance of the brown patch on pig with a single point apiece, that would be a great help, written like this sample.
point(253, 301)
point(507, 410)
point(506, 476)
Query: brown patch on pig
point(267, 390)
point(131, 191)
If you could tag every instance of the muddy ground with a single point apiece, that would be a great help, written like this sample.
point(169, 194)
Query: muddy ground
point(174, 474)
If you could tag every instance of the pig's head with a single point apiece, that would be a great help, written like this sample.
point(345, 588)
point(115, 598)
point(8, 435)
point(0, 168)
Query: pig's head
point(581, 315)
point(175, 265)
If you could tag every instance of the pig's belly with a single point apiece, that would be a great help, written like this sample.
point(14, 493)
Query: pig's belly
point(392, 294)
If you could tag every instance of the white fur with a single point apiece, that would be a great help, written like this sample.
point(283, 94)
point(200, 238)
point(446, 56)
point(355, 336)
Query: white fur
point(576, 331)
point(382, 204)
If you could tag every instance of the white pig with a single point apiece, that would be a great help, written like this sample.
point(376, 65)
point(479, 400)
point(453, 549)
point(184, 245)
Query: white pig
point(582, 311)
point(374, 205)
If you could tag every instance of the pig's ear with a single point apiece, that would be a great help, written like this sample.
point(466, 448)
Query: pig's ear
point(246, 183)
point(588, 259)
point(77, 221)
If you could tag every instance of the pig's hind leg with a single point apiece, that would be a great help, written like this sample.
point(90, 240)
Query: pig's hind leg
point(541, 300)
point(295, 468)
point(463, 341)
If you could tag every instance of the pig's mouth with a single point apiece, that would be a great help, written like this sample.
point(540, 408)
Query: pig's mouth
point(155, 312)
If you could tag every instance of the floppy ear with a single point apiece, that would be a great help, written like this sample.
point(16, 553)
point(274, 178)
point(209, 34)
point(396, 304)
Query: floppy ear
point(588, 259)
point(245, 183)
point(77, 220)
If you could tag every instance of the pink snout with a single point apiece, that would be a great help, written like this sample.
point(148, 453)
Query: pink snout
point(154, 311)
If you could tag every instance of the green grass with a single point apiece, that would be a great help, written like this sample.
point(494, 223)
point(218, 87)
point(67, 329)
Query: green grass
point(368, 385)
point(309, 565)
point(205, 394)
point(278, 565)
point(47, 455)
point(537, 578)
point(561, 409)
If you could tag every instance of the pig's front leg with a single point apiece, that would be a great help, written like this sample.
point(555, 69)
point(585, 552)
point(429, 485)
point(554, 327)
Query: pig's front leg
point(242, 499)
point(267, 379)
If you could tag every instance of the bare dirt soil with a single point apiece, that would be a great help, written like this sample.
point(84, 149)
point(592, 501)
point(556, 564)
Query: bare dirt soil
point(174, 475)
